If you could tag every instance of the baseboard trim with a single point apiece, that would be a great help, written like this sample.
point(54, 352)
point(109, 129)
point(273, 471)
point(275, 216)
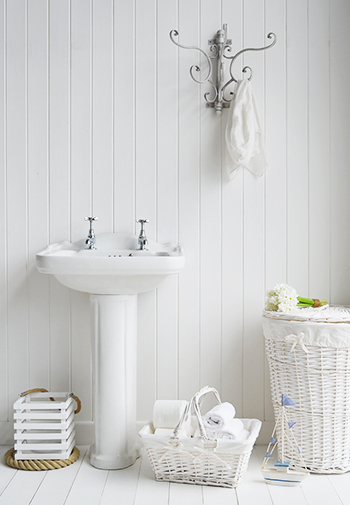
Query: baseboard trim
point(84, 432)
point(6, 433)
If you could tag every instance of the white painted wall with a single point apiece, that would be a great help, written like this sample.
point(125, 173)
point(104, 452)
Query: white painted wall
point(98, 115)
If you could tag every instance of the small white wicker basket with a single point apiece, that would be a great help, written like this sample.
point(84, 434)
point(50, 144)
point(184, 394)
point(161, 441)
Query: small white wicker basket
point(309, 361)
point(199, 460)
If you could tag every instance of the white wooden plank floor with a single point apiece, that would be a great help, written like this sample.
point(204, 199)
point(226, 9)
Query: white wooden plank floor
point(81, 484)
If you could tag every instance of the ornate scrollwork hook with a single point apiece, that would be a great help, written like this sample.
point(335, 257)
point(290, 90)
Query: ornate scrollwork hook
point(218, 47)
point(270, 35)
point(175, 33)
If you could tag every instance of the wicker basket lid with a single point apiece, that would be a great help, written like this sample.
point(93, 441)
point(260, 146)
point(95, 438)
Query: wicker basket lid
point(326, 326)
point(325, 314)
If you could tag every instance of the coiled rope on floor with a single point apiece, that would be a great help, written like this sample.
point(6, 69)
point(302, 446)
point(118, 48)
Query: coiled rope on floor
point(42, 464)
point(39, 464)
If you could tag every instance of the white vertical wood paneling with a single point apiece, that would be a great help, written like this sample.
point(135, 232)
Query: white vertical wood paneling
point(99, 115)
point(37, 213)
point(81, 188)
point(146, 114)
point(167, 124)
point(16, 176)
point(210, 220)
point(253, 239)
point(81, 116)
point(275, 134)
point(59, 119)
point(339, 127)
point(319, 151)
point(167, 198)
point(232, 246)
point(297, 146)
point(124, 116)
point(102, 114)
point(276, 177)
point(190, 101)
point(146, 189)
point(59, 186)
point(3, 224)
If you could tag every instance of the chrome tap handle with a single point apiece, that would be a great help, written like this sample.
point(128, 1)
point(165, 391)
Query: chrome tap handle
point(91, 218)
point(142, 240)
point(142, 221)
point(90, 241)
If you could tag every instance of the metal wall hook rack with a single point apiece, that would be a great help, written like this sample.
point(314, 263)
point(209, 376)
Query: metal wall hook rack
point(220, 47)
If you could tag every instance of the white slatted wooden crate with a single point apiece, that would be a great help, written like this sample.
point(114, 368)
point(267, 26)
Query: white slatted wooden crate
point(44, 429)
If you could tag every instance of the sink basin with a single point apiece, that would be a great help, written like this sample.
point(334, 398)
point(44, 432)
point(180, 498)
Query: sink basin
point(116, 266)
point(113, 274)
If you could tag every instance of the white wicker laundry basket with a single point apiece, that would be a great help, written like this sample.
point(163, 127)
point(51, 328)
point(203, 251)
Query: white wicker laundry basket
point(308, 352)
point(198, 460)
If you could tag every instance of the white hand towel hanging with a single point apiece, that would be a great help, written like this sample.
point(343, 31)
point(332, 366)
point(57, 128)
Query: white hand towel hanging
point(244, 137)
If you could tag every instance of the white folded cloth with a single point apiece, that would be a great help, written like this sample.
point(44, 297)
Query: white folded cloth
point(219, 415)
point(244, 137)
point(167, 414)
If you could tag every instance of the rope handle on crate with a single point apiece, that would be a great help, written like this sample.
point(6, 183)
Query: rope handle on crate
point(43, 390)
point(195, 402)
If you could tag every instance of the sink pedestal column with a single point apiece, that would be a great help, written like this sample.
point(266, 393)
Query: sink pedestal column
point(114, 340)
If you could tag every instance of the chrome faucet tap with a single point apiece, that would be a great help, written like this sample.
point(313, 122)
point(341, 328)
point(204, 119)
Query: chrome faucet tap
point(142, 240)
point(91, 240)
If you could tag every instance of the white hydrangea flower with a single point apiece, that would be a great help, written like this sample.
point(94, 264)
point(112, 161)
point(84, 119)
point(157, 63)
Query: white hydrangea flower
point(282, 298)
point(272, 301)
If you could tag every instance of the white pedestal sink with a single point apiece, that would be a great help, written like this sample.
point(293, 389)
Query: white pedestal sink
point(113, 274)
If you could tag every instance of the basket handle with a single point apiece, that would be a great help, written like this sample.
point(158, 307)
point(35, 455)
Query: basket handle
point(184, 416)
point(195, 402)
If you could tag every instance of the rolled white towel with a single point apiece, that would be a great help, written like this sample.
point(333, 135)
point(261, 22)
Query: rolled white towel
point(219, 416)
point(234, 430)
point(243, 435)
point(167, 414)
